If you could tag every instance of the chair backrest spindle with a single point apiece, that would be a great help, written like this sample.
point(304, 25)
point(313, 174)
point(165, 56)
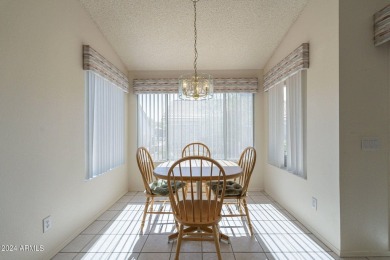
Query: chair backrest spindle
point(193, 208)
point(247, 163)
point(146, 166)
point(196, 148)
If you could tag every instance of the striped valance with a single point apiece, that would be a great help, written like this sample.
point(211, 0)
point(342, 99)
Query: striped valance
point(160, 86)
point(382, 26)
point(295, 61)
point(92, 60)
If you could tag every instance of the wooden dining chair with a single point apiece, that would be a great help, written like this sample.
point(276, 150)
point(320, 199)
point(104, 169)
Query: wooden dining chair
point(193, 210)
point(196, 148)
point(236, 191)
point(156, 190)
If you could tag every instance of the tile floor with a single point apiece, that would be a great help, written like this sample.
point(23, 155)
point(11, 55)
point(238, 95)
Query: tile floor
point(116, 235)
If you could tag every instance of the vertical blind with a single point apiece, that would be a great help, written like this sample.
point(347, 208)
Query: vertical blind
point(152, 124)
point(284, 83)
point(105, 125)
point(294, 125)
point(286, 125)
point(224, 123)
point(276, 125)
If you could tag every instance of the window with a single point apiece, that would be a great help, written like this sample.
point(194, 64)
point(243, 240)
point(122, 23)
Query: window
point(286, 125)
point(224, 123)
point(105, 125)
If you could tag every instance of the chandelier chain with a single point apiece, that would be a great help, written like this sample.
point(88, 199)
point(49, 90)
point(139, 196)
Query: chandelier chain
point(195, 41)
point(194, 86)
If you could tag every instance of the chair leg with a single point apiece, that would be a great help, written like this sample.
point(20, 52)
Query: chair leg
point(177, 225)
point(179, 239)
point(145, 212)
point(216, 241)
point(151, 204)
point(247, 216)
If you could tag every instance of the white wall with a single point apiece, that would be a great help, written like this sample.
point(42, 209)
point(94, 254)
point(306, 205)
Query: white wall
point(364, 112)
point(318, 25)
point(135, 181)
point(42, 124)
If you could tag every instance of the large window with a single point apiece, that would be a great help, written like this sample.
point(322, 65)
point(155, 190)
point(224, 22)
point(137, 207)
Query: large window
point(105, 125)
point(224, 123)
point(286, 125)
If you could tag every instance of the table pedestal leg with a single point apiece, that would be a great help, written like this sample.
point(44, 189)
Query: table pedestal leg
point(205, 229)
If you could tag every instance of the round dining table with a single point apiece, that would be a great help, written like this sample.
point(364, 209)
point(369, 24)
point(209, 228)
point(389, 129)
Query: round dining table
point(232, 171)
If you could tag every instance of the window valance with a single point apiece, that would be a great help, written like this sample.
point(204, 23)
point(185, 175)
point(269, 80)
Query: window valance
point(93, 61)
point(294, 62)
point(160, 86)
point(382, 26)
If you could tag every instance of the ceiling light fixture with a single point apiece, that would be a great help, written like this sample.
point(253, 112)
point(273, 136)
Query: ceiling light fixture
point(195, 86)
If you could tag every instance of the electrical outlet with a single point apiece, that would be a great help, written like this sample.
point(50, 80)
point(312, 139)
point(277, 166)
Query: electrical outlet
point(47, 223)
point(314, 203)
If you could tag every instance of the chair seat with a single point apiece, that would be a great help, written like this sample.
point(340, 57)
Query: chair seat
point(232, 188)
point(192, 215)
point(160, 187)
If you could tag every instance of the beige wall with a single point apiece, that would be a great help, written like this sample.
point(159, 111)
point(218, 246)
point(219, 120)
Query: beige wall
point(135, 181)
point(42, 124)
point(318, 25)
point(42, 119)
point(364, 112)
point(347, 100)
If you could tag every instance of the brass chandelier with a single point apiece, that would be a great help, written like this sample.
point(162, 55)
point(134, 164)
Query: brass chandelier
point(195, 86)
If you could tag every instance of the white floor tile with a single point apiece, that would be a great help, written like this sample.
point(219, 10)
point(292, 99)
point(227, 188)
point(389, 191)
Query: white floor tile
point(118, 206)
point(129, 215)
point(107, 256)
point(188, 256)
point(77, 244)
point(108, 215)
point(245, 244)
point(351, 258)
point(209, 246)
point(157, 243)
point(117, 234)
point(126, 198)
point(260, 199)
point(188, 246)
point(213, 256)
point(64, 256)
point(317, 255)
point(95, 227)
point(251, 256)
point(285, 256)
point(115, 243)
point(277, 243)
point(138, 199)
point(319, 243)
point(154, 256)
point(257, 193)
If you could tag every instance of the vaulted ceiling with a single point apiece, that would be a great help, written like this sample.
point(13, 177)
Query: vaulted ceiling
point(159, 34)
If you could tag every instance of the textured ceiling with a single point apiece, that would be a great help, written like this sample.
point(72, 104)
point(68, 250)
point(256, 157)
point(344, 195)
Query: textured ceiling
point(159, 34)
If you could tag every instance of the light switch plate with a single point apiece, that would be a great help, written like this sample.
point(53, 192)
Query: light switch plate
point(370, 144)
point(314, 203)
